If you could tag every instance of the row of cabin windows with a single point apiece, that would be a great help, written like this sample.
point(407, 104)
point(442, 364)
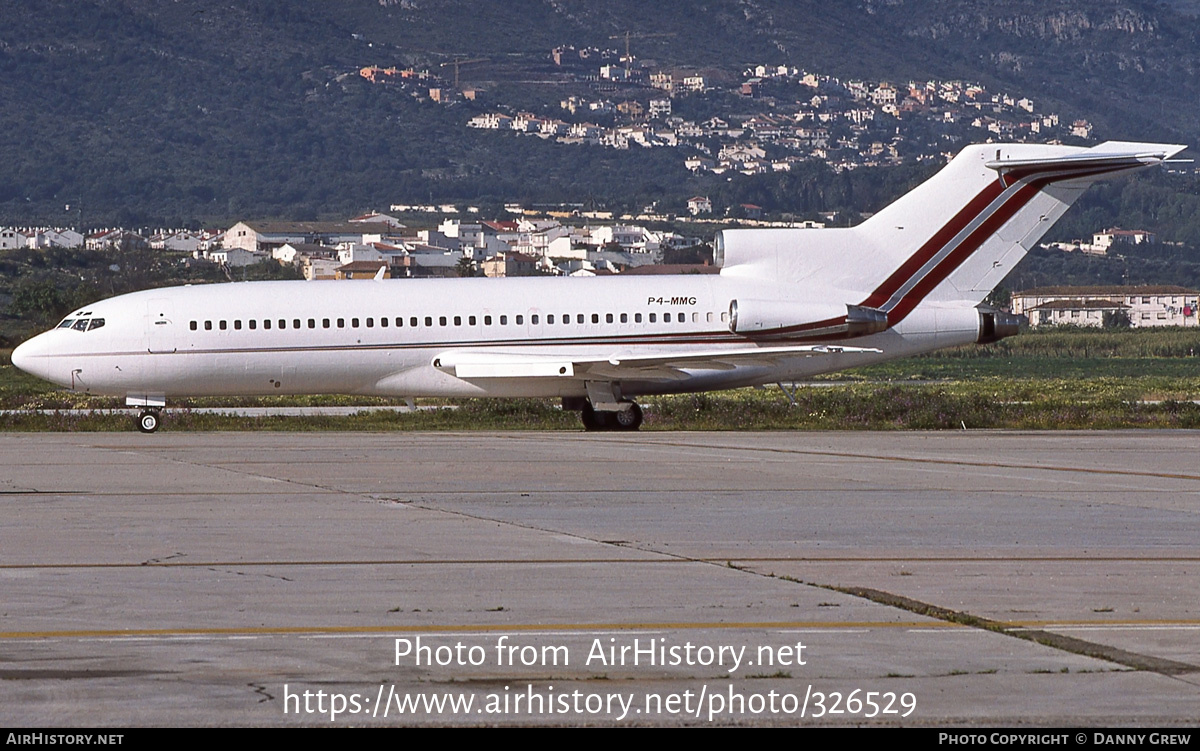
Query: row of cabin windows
point(414, 321)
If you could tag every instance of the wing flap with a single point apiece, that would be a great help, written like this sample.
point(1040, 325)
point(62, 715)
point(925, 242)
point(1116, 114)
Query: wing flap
point(470, 365)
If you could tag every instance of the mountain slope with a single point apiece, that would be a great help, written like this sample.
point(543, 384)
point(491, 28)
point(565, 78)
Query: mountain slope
point(142, 111)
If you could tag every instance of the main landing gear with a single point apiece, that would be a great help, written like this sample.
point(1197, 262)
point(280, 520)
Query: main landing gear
point(629, 417)
point(149, 420)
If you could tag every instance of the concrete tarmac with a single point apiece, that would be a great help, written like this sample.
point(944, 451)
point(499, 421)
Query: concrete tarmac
point(953, 578)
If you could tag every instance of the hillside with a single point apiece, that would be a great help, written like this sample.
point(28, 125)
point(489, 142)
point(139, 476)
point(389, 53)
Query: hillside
point(146, 112)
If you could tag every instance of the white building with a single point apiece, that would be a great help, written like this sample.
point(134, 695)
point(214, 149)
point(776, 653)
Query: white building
point(266, 236)
point(12, 238)
point(55, 238)
point(1106, 238)
point(470, 234)
point(182, 241)
point(236, 257)
point(1146, 306)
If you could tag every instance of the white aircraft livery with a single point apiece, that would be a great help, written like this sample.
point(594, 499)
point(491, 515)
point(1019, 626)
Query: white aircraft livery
point(787, 304)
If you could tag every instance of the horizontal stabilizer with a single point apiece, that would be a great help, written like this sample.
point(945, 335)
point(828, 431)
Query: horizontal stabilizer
point(1107, 157)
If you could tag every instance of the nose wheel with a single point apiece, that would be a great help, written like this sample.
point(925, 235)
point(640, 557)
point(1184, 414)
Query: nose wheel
point(149, 420)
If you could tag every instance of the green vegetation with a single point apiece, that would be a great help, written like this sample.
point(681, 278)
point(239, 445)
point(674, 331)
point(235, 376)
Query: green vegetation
point(1067, 379)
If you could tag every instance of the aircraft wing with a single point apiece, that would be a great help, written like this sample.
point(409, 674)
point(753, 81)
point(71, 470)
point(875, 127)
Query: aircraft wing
point(470, 365)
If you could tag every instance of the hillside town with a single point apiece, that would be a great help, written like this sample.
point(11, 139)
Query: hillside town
point(785, 115)
point(522, 246)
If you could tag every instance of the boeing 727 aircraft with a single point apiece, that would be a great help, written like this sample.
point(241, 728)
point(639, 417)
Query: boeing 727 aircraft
point(788, 304)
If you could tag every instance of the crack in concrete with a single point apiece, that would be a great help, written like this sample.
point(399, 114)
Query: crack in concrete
point(1046, 638)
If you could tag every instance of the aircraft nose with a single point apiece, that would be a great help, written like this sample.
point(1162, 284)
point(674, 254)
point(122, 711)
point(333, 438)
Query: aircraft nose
point(25, 357)
point(21, 357)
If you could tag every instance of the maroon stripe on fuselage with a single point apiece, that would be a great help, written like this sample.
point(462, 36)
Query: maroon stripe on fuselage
point(913, 264)
point(965, 249)
point(980, 235)
point(959, 255)
point(940, 239)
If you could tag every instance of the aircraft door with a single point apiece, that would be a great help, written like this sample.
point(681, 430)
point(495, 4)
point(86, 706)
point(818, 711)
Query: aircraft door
point(160, 325)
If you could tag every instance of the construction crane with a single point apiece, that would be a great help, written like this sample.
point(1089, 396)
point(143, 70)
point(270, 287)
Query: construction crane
point(459, 61)
point(636, 35)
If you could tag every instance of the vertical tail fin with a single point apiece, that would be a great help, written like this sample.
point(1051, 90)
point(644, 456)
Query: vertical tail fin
point(952, 238)
point(1010, 197)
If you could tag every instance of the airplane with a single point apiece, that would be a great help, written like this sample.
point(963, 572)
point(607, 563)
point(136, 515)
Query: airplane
point(787, 304)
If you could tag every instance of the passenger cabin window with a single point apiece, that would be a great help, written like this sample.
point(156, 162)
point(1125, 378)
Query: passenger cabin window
point(550, 318)
point(533, 319)
point(192, 326)
point(637, 317)
point(520, 320)
point(471, 320)
point(503, 320)
point(428, 320)
point(266, 323)
point(457, 320)
point(312, 323)
point(221, 325)
point(237, 325)
point(207, 326)
point(370, 323)
point(441, 320)
point(282, 323)
point(253, 324)
point(666, 317)
point(579, 318)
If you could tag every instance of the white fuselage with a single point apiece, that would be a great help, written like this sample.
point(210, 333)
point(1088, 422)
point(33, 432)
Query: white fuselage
point(788, 303)
point(382, 337)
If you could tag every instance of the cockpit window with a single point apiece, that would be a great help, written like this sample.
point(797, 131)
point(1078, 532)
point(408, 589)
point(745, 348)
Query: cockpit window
point(82, 324)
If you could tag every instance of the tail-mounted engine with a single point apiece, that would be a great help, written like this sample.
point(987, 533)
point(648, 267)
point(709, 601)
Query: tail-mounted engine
point(781, 318)
point(995, 325)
